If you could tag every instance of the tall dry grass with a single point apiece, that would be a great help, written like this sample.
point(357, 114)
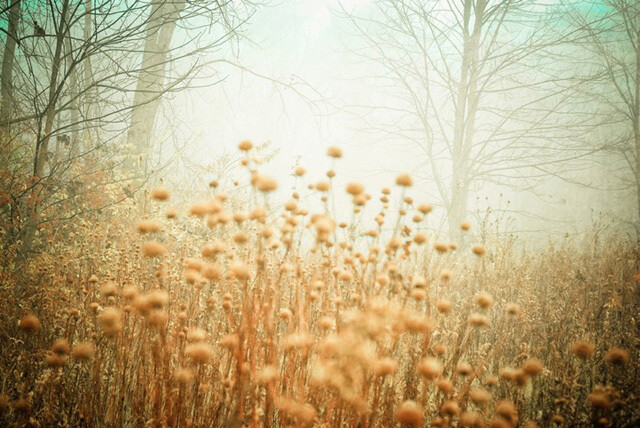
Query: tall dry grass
point(266, 317)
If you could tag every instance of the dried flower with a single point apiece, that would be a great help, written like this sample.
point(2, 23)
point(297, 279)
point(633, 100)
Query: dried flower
point(478, 250)
point(430, 367)
point(83, 351)
point(266, 184)
point(355, 189)
point(334, 152)
point(617, 356)
point(583, 349)
point(532, 367)
point(153, 249)
point(410, 413)
point(29, 323)
point(199, 353)
point(245, 146)
point(61, 346)
point(110, 321)
point(404, 180)
point(480, 396)
point(160, 194)
point(484, 300)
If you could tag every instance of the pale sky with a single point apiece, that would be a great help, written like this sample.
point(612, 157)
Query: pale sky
point(305, 38)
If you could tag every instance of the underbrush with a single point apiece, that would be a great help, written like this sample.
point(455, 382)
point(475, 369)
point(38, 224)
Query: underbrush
point(264, 317)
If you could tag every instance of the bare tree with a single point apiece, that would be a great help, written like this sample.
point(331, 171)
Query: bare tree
point(609, 64)
point(49, 113)
point(8, 57)
point(472, 85)
point(123, 49)
point(71, 80)
point(152, 70)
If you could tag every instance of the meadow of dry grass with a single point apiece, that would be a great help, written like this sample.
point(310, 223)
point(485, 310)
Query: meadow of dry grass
point(282, 317)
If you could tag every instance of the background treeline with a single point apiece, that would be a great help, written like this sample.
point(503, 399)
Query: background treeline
point(518, 96)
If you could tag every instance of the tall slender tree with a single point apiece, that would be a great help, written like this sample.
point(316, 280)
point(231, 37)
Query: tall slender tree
point(609, 64)
point(471, 84)
point(150, 85)
point(8, 58)
point(74, 72)
point(49, 113)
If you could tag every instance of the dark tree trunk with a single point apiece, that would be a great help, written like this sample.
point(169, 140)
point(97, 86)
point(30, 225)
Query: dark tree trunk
point(42, 145)
point(8, 57)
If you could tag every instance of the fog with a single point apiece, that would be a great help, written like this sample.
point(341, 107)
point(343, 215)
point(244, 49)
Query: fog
point(545, 148)
point(311, 43)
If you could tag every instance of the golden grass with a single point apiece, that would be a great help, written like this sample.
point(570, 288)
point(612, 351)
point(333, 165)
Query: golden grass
point(264, 318)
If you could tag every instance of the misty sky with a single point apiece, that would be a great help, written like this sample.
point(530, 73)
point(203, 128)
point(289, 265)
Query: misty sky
point(306, 38)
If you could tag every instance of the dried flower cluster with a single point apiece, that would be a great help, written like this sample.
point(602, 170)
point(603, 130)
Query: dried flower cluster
point(232, 314)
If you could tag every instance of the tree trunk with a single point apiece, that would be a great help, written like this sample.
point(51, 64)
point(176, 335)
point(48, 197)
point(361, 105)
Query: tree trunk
point(636, 124)
point(150, 86)
point(74, 113)
point(44, 137)
point(8, 57)
point(465, 114)
point(88, 108)
point(637, 175)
